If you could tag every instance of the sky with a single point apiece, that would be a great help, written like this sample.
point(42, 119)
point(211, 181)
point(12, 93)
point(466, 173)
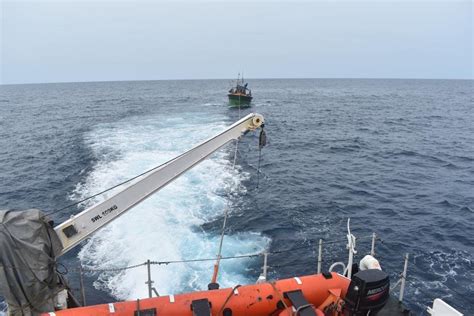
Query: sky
point(71, 41)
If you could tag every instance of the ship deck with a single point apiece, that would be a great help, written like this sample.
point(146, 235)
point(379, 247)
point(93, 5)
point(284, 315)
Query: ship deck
point(394, 308)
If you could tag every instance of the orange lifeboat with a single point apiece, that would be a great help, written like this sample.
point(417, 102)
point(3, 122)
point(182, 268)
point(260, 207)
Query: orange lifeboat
point(319, 294)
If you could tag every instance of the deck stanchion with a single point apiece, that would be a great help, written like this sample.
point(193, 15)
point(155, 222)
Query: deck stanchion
point(81, 282)
point(149, 282)
point(404, 276)
point(320, 255)
point(263, 276)
point(372, 249)
point(265, 258)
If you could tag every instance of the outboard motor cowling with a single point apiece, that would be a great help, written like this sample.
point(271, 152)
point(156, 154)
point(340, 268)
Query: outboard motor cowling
point(368, 291)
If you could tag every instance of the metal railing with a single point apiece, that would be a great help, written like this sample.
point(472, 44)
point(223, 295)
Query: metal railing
point(263, 276)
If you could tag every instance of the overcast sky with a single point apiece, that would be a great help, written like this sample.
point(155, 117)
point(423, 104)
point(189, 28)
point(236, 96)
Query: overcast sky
point(61, 41)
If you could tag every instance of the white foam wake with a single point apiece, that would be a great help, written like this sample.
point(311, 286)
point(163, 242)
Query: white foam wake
point(167, 226)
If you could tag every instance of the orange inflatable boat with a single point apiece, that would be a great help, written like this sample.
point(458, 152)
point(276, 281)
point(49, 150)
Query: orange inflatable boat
point(314, 295)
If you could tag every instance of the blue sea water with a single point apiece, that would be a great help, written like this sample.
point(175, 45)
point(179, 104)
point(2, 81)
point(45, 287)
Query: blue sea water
point(396, 156)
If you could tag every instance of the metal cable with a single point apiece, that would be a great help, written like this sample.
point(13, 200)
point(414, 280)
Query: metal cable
point(114, 269)
point(226, 213)
point(204, 259)
point(276, 252)
point(109, 189)
point(262, 141)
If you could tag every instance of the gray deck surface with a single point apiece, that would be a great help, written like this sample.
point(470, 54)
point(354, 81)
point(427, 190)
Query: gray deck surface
point(394, 308)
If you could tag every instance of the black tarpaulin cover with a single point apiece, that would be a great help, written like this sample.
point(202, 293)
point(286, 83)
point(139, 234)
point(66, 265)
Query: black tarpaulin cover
point(28, 248)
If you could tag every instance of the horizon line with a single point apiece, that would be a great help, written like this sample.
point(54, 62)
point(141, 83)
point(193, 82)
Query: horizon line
point(202, 79)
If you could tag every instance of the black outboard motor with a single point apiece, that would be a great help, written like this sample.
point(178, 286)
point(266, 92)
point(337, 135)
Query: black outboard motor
point(368, 292)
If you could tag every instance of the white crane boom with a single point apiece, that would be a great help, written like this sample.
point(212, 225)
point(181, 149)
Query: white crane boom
point(80, 226)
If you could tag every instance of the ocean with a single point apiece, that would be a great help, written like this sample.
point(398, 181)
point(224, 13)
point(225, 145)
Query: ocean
point(394, 156)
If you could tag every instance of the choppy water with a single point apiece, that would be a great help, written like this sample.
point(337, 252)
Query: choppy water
point(396, 156)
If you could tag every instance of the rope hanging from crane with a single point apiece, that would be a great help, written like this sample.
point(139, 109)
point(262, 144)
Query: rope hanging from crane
point(262, 141)
point(214, 284)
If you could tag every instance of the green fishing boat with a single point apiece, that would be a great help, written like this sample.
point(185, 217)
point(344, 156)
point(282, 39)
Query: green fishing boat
point(240, 95)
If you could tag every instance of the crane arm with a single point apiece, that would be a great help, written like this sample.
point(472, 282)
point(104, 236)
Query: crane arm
point(80, 226)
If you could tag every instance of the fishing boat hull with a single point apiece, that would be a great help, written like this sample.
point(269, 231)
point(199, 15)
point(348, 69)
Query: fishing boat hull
point(236, 100)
